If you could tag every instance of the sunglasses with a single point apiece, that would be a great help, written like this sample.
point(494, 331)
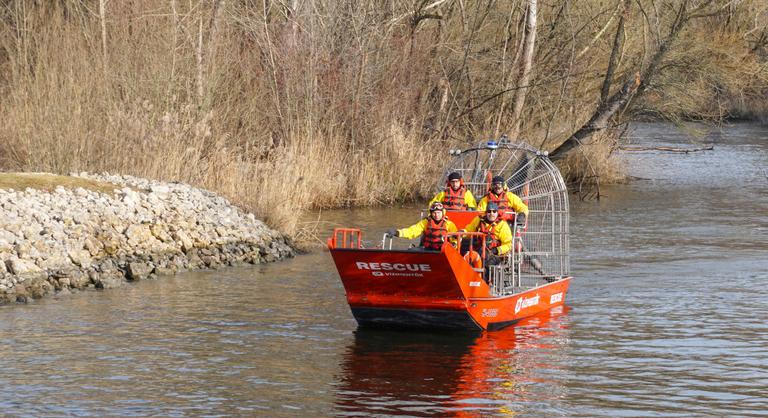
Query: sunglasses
point(492, 210)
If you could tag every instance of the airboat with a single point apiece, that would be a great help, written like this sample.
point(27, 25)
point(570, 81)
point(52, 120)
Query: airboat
point(390, 287)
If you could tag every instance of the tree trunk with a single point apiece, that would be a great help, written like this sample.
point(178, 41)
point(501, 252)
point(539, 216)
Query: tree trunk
point(103, 19)
point(613, 61)
point(507, 76)
point(599, 120)
point(632, 88)
point(530, 43)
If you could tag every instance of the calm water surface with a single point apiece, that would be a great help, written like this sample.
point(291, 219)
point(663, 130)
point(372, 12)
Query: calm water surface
point(667, 316)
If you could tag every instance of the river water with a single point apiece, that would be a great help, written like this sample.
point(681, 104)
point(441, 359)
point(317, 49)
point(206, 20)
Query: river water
point(667, 316)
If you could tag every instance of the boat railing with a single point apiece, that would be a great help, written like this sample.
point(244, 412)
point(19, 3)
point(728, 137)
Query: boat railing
point(386, 242)
point(517, 270)
point(346, 238)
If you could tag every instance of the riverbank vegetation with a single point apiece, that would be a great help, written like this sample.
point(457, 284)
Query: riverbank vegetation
point(49, 182)
point(286, 106)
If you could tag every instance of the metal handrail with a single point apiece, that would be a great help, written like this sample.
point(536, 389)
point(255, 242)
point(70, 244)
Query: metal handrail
point(386, 245)
point(504, 278)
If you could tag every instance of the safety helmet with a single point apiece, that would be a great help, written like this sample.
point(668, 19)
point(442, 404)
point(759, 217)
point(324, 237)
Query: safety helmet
point(497, 179)
point(491, 206)
point(436, 206)
point(454, 176)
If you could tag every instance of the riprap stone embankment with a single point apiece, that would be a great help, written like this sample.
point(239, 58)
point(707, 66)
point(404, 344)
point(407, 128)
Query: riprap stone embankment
point(70, 239)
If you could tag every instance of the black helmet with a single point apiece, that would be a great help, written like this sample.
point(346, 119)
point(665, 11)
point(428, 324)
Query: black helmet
point(497, 179)
point(454, 176)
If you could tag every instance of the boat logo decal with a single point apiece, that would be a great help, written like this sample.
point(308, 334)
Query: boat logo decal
point(474, 284)
point(524, 302)
point(394, 269)
point(557, 297)
point(489, 313)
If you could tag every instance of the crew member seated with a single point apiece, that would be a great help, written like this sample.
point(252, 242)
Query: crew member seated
point(498, 241)
point(433, 228)
point(456, 196)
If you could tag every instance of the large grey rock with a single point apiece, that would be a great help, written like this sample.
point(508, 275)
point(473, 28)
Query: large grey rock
point(38, 287)
point(93, 246)
point(55, 262)
point(21, 267)
point(26, 250)
point(108, 280)
point(138, 271)
point(80, 257)
point(130, 197)
point(138, 234)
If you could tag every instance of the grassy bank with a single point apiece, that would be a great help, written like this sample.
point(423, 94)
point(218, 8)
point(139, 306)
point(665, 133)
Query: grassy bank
point(49, 182)
point(282, 108)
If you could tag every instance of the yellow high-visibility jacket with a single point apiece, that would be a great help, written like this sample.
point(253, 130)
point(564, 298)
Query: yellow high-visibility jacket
point(513, 201)
point(418, 228)
point(500, 231)
point(469, 199)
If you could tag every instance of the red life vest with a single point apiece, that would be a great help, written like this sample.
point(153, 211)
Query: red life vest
point(505, 211)
point(434, 234)
point(500, 200)
point(491, 240)
point(454, 199)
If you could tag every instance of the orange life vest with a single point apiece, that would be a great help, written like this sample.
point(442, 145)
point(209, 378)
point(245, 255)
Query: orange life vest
point(454, 199)
point(491, 240)
point(505, 211)
point(500, 200)
point(434, 234)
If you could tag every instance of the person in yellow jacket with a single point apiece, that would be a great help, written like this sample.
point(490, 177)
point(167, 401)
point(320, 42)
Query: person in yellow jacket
point(499, 239)
point(505, 200)
point(456, 196)
point(433, 228)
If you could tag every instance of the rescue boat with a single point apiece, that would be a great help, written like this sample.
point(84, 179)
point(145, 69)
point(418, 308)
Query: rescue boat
point(454, 289)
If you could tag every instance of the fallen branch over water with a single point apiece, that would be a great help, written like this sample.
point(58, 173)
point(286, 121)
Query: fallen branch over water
point(667, 149)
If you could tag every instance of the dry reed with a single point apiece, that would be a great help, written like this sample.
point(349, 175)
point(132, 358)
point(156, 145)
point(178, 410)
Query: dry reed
point(338, 104)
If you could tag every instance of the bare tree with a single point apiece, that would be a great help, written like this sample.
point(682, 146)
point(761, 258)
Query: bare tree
point(639, 82)
point(103, 21)
point(525, 75)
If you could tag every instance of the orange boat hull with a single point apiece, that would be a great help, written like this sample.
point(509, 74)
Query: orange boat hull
point(432, 290)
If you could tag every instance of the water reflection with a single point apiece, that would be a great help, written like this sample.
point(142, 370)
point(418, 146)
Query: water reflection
point(422, 374)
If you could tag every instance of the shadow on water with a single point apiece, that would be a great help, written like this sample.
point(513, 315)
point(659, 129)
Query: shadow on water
point(449, 374)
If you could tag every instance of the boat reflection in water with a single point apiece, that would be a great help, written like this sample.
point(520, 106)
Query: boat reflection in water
point(449, 374)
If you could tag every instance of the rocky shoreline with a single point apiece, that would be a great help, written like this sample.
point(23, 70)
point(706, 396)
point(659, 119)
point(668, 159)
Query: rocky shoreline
point(74, 238)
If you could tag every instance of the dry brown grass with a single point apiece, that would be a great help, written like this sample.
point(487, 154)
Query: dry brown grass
point(337, 104)
point(49, 182)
